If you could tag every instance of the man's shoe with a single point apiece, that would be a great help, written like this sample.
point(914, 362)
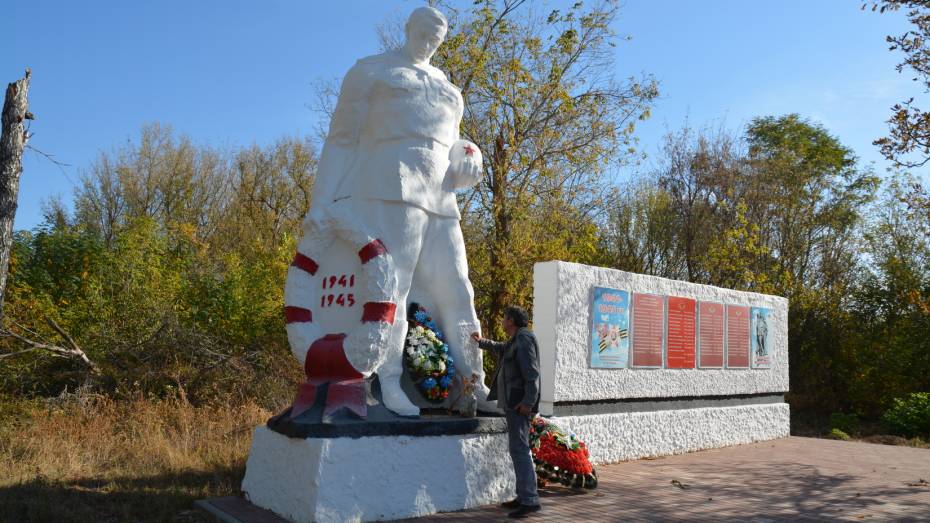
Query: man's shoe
point(513, 503)
point(524, 511)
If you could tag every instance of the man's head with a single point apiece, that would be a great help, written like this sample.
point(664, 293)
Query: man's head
point(426, 28)
point(514, 319)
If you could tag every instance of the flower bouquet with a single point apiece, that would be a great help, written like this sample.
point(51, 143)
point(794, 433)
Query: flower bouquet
point(426, 355)
point(560, 457)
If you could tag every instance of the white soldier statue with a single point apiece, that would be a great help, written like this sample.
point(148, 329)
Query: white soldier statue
point(385, 170)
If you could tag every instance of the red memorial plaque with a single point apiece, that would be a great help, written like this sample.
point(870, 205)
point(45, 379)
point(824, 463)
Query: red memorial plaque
point(737, 336)
point(710, 335)
point(648, 330)
point(680, 344)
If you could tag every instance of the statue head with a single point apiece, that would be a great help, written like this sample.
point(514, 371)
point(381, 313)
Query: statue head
point(425, 30)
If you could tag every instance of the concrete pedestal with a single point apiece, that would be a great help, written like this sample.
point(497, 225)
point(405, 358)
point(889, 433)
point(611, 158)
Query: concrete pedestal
point(374, 478)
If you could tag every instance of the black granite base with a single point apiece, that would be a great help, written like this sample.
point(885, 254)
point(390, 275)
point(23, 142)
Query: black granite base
point(619, 406)
point(380, 421)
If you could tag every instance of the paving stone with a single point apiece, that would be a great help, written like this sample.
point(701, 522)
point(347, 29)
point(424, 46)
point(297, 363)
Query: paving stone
point(790, 479)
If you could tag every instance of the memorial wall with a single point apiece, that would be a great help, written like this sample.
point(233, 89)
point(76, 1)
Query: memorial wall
point(640, 365)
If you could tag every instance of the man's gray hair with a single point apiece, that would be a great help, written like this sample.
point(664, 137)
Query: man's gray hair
point(428, 15)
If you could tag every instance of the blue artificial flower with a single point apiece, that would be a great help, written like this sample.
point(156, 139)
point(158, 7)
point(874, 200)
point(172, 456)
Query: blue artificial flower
point(439, 334)
point(445, 382)
point(420, 316)
point(445, 348)
point(450, 371)
point(449, 361)
point(428, 383)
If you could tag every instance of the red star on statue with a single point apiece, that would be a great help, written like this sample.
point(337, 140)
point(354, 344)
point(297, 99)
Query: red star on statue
point(469, 150)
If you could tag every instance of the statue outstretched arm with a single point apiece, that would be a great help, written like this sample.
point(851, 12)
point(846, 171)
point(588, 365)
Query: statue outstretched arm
point(339, 148)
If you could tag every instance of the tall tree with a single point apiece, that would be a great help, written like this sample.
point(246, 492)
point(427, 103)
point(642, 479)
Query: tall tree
point(638, 235)
point(12, 142)
point(809, 193)
point(908, 143)
point(543, 103)
point(702, 172)
point(891, 305)
point(165, 177)
point(226, 198)
point(808, 198)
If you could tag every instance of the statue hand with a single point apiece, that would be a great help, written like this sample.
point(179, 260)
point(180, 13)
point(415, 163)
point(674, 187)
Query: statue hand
point(471, 168)
point(465, 165)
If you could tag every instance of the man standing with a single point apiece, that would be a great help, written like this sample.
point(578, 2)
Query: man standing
point(516, 389)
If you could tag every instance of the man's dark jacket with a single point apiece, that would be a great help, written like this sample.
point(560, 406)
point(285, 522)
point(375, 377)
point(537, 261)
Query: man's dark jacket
point(518, 360)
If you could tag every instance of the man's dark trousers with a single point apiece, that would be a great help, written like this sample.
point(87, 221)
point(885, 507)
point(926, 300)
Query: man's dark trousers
point(518, 434)
point(517, 381)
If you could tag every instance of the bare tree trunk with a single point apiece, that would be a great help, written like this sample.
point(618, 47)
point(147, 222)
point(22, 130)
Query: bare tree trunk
point(12, 142)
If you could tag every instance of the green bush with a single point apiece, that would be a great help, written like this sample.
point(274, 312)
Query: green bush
point(848, 423)
point(838, 434)
point(158, 312)
point(909, 416)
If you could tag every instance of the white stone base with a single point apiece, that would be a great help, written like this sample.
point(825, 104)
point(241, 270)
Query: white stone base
point(621, 437)
point(375, 478)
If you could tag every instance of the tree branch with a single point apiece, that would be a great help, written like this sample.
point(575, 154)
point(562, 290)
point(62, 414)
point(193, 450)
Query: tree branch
point(74, 352)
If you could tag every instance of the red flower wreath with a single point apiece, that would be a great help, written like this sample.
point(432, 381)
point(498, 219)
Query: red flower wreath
point(574, 461)
point(560, 457)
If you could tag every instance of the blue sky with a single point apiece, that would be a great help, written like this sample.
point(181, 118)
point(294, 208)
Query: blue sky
point(230, 73)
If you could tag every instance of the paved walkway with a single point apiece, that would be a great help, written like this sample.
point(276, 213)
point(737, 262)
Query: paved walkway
point(791, 479)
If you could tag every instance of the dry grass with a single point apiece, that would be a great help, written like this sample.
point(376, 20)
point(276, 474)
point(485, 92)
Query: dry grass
point(100, 460)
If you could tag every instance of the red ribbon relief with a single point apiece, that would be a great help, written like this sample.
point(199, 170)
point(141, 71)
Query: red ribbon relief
point(305, 263)
point(379, 311)
point(371, 250)
point(297, 315)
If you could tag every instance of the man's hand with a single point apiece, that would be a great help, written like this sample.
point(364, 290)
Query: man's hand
point(524, 410)
point(476, 337)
